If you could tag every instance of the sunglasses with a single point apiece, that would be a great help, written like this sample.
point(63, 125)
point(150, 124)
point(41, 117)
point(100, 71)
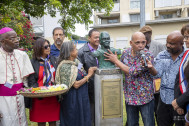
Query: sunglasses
point(47, 46)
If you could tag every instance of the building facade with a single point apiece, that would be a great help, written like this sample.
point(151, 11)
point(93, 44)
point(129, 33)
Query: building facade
point(43, 26)
point(164, 16)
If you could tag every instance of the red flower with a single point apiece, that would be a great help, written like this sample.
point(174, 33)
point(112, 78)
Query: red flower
point(23, 13)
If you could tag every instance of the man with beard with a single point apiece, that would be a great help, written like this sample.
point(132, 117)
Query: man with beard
point(58, 36)
point(167, 65)
point(15, 67)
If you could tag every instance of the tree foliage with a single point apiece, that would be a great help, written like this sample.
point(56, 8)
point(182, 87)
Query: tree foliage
point(75, 37)
point(20, 23)
point(71, 11)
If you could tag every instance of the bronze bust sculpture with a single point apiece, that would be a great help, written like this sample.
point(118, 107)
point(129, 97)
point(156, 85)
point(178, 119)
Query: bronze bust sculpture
point(105, 45)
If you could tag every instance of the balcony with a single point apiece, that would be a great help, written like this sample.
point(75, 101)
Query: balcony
point(116, 8)
point(103, 19)
point(167, 3)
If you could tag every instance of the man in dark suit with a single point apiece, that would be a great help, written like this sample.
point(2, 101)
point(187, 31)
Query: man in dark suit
point(88, 60)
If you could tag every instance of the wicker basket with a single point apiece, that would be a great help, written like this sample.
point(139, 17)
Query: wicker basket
point(43, 94)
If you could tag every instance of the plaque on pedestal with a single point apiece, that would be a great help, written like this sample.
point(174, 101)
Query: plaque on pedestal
point(108, 97)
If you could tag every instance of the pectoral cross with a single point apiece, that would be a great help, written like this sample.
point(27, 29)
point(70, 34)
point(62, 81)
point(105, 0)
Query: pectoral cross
point(14, 80)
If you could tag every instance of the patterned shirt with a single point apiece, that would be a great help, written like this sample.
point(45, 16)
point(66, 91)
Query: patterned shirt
point(167, 70)
point(138, 86)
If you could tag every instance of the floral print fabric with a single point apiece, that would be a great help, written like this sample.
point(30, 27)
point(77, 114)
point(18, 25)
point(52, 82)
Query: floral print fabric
point(138, 86)
point(167, 70)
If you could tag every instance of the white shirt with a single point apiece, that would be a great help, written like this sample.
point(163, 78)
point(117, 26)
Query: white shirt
point(14, 66)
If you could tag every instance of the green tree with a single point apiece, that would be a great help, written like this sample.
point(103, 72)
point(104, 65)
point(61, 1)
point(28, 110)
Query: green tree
point(75, 37)
point(71, 11)
point(21, 24)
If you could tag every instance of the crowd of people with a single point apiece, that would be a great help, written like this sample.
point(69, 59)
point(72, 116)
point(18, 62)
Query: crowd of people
point(62, 63)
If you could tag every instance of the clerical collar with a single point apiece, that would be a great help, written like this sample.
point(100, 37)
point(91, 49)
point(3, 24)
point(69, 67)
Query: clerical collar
point(7, 53)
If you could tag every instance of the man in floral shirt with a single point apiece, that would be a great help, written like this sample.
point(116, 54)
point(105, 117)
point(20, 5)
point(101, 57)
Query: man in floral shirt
point(138, 86)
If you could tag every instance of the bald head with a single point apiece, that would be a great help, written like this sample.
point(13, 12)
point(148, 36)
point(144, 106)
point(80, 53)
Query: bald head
point(137, 35)
point(176, 36)
point(175, 43)
point(138, 41)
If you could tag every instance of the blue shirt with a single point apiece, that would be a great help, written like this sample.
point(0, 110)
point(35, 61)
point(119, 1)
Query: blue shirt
point(54, 51)
point(167, 70)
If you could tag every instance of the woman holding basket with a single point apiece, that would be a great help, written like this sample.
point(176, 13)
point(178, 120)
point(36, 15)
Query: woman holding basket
point(75, 107)
point(43, 109)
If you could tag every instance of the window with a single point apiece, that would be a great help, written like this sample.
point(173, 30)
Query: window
point(135, 17)
point(167, 3)
point(110, 21)
point(186, 2)
point(134, 4)
point(166, 16)
point(37, 21)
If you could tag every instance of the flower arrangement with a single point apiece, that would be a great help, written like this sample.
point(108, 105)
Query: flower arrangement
point(21, 24)
point(41, 89)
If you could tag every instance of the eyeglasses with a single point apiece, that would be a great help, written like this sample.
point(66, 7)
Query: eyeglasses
point(186, 37)
point(47, 46)
point(15, 39)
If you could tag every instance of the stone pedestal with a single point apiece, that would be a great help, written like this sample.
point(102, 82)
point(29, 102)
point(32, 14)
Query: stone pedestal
point(108, 97)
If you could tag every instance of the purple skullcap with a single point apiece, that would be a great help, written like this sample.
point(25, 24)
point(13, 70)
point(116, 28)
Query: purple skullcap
point(5, 30)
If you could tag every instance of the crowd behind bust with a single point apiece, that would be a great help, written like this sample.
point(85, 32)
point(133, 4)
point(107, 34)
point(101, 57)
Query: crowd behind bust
point(143, 63)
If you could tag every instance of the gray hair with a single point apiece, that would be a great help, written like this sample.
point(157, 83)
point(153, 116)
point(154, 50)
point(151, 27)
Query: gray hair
point(58, 28)
point(1, 37)
point(66, 49)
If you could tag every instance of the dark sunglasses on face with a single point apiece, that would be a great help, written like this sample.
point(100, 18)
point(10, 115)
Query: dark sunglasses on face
point(47, 46)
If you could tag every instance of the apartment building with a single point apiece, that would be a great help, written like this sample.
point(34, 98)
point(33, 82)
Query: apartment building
point(164, 16)
point(43, 26)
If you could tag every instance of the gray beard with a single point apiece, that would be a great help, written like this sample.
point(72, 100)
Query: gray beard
point(58, 42)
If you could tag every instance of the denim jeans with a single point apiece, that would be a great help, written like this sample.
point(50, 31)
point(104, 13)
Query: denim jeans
point(147, 113)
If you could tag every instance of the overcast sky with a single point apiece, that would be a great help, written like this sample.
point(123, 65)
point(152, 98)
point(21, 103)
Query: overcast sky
point(80, 30)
